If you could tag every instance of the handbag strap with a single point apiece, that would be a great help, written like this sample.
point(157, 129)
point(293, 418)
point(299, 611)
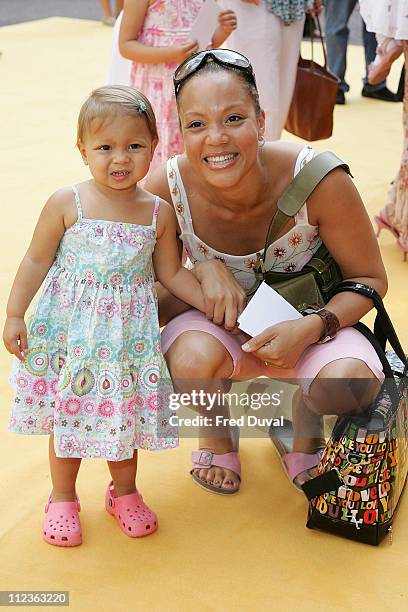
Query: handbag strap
point(330, 481)
point(319, 27)
point(383, 327)
point(302, 185)
point(316, 21)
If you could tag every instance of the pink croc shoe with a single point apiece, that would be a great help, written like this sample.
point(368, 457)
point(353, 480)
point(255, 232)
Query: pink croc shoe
point(133, 516)
point(61, 524)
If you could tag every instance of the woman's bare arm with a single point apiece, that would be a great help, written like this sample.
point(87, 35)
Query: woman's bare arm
point(346, 230)
point(224, 297)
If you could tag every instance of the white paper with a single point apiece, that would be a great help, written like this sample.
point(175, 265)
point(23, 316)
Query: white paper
point(205, 24)
point(266, 308)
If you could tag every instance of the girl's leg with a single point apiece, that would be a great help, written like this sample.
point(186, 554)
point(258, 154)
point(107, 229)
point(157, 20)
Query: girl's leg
point(124, 475)
point(118, 7)
point(125, 503)
point(64, 473)
point(106, 8)
point(62, 526)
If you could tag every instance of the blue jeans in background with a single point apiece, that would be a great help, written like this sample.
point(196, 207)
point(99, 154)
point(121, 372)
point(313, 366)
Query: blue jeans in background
point(337, 13)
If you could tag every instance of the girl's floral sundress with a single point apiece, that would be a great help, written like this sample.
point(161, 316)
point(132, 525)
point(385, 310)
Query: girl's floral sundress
point(94, 373)
point(167, 23)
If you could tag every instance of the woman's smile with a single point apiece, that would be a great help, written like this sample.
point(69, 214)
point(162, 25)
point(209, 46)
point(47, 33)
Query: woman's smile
point(220, 127)
point(221, 160)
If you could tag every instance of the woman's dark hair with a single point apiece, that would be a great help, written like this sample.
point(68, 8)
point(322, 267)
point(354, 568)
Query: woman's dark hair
point(211, 66)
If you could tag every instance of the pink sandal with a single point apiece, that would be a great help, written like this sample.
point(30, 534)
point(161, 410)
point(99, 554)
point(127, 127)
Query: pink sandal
point(133, 516)
point(384, 224)
point(294, 464)
point(61, 524)
point(404, 249)
point(205, 459)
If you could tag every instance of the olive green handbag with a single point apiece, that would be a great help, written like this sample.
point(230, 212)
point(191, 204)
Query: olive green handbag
point(315, 283)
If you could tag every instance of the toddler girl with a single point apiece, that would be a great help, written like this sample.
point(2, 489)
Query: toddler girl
point(155, 35)
point(89, 371)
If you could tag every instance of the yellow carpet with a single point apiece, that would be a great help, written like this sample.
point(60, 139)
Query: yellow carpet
point(250, 552)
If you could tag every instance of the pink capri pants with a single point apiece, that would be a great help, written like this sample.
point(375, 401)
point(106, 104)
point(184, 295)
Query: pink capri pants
point(349, 343)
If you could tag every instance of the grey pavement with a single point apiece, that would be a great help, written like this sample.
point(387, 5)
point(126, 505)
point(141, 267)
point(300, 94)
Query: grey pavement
point(16, 11)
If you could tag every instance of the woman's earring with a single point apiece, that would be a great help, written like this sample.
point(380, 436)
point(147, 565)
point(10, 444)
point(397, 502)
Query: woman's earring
point(261, 140)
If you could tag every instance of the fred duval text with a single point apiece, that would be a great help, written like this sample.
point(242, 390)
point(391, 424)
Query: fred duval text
point(242, 421)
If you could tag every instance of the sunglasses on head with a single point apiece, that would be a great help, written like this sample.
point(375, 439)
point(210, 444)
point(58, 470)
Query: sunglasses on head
point(225, 57)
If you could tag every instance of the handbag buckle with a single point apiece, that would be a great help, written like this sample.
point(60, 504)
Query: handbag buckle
point(259, 267)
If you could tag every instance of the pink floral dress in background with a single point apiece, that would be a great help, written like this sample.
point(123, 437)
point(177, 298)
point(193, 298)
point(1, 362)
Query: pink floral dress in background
point(167, 23)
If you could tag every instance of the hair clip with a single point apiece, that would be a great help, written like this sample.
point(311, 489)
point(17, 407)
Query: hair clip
point(142, 106)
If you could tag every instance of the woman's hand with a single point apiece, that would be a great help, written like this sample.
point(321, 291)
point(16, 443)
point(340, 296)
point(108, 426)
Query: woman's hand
point(317, 8)
point(224, 298)
point(281, 345)
point(15, 337)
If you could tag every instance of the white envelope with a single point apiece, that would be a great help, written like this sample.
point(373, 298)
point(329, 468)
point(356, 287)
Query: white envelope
point(266, 308)
point(205, 24)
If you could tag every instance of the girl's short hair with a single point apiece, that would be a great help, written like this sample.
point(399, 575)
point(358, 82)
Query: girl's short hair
point(113, 100)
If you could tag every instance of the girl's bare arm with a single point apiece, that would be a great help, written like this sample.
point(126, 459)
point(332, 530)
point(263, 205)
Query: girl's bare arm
point(134, 13)
point(167, 264)
point(227, 23)
point(33, 269)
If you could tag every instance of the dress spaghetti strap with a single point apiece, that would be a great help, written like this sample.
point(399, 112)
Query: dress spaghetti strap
point(155, 211)
point(78, 202)
point(179, 196)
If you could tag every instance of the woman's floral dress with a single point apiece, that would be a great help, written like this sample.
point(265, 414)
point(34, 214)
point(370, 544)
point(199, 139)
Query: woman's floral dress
point(289, 253)
point(94, 374)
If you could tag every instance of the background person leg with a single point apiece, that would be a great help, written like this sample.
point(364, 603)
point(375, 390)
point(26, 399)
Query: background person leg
point(337, 14)
point(107, 16)
point(380, 90)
